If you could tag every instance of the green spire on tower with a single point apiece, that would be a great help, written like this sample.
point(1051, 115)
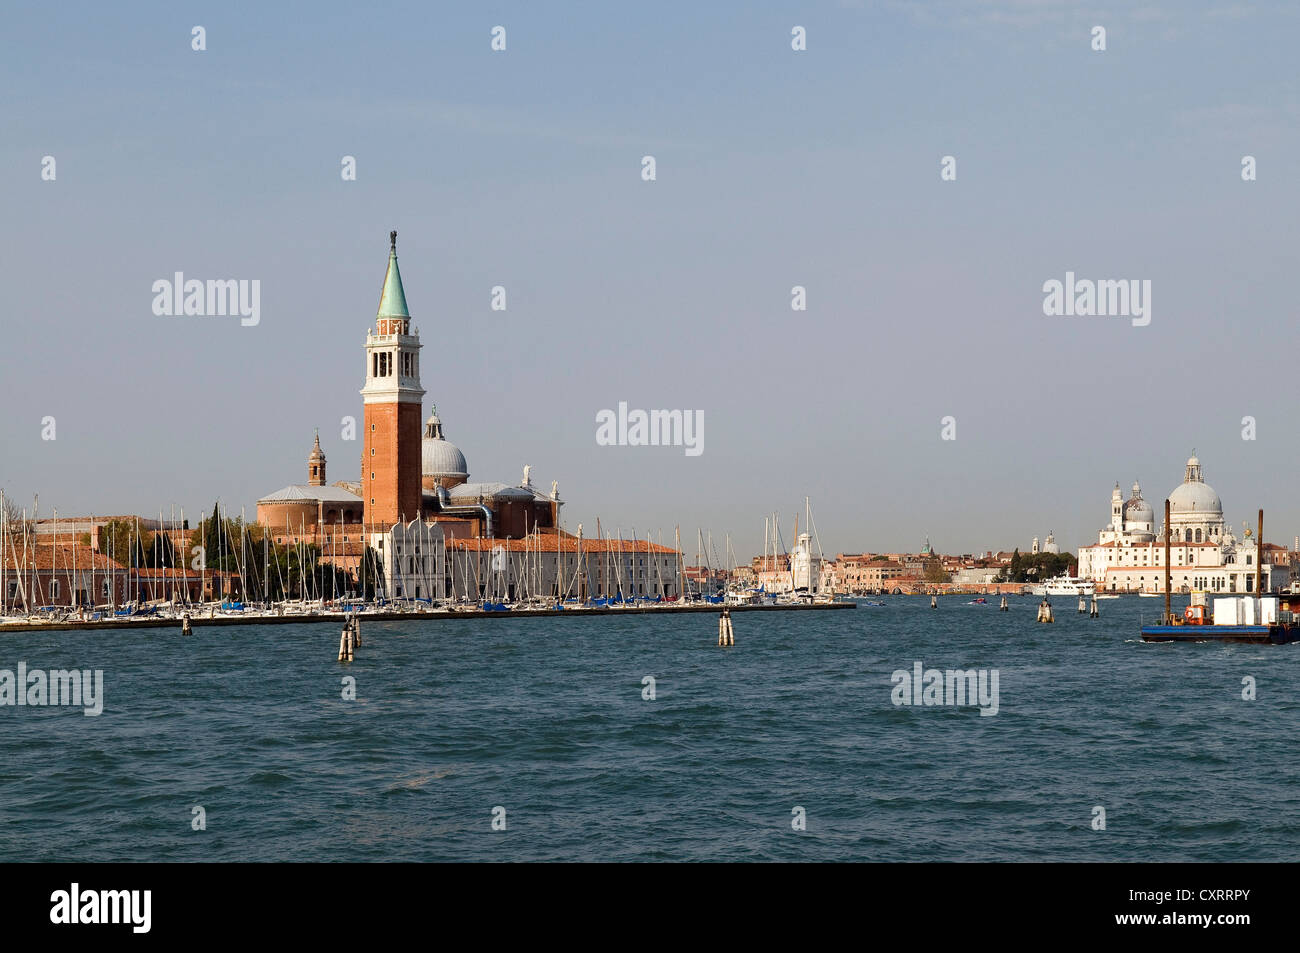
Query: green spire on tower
point(392, 303)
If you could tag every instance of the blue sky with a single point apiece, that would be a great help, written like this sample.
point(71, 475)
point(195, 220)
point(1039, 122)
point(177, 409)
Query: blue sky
point(775, 168)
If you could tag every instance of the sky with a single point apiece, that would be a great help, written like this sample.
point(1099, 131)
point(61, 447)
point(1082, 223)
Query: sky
point(774, 168)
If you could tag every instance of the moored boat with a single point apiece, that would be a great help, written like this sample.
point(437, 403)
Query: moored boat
point(1065, 586)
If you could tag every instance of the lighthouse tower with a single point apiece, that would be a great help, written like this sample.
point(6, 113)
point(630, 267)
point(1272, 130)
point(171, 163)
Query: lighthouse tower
point(390, 449)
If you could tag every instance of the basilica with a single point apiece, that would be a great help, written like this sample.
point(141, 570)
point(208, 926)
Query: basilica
point(414, 497)
point(1204, 554)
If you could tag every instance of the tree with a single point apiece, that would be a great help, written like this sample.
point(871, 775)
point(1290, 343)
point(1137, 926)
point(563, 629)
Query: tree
point(934, 571)
point(117, 541)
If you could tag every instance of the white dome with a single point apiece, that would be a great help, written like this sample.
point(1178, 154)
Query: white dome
point(1195, 500)
point(439, 457)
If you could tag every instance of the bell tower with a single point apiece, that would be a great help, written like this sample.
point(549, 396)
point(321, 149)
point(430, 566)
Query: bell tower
point(390, 446)
point(316, 465)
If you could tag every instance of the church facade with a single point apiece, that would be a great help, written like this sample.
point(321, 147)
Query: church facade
point(1129, 555)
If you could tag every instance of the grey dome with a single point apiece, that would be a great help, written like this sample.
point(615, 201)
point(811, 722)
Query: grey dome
point(439, 457)
point(1138, 510)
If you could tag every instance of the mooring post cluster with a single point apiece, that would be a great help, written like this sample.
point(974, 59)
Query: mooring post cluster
point(726, 634)
point(350, 640)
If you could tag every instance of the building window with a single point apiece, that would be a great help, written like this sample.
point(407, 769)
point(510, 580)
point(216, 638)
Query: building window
point(372, 451)
point(54, 589)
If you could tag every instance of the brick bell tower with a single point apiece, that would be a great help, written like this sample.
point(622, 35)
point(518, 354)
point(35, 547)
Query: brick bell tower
point(390, 451)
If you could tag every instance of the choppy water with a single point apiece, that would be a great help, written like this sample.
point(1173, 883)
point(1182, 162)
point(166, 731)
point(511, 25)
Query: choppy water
point(545, 717)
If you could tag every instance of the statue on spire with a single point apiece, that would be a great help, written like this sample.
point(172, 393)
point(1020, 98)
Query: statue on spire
point(392, 239)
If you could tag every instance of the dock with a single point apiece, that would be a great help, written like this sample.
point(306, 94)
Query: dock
point(432, 615)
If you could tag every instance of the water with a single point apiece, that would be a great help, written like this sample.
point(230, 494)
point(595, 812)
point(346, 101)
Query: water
point(545, 717)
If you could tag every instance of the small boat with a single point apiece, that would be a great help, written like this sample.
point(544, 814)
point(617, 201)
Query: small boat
point(981, 601)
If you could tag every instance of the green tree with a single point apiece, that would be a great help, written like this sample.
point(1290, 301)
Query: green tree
point(934, 571)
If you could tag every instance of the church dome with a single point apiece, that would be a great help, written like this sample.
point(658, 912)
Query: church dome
point(440, 459)
point(1138, 510)
point(1195, 498)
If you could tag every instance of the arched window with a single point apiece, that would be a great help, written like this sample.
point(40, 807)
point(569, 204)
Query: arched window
point(1198, 535)
point(1187, 538)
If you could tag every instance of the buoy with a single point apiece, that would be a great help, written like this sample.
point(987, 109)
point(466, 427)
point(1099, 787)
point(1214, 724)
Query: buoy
point(185, 624)
point(1093, 613)
point(1044, 611)
point(934, 602)
point(1003, 606)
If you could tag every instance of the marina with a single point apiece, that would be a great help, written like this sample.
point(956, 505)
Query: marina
point(252, 618)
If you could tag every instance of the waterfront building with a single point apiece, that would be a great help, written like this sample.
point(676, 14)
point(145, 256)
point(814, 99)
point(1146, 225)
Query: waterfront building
point(550, 565)
point(60, 575)
point(1130, 550)
point(414, 556)
point(415, 491)
point(973, 576)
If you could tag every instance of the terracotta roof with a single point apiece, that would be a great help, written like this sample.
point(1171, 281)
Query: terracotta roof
point(60, 557)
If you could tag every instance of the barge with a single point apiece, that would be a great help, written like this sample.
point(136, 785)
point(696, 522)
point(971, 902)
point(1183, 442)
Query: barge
point(1255, 617)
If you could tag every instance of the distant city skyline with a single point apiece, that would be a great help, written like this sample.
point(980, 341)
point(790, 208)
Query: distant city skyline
point(522, 169)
